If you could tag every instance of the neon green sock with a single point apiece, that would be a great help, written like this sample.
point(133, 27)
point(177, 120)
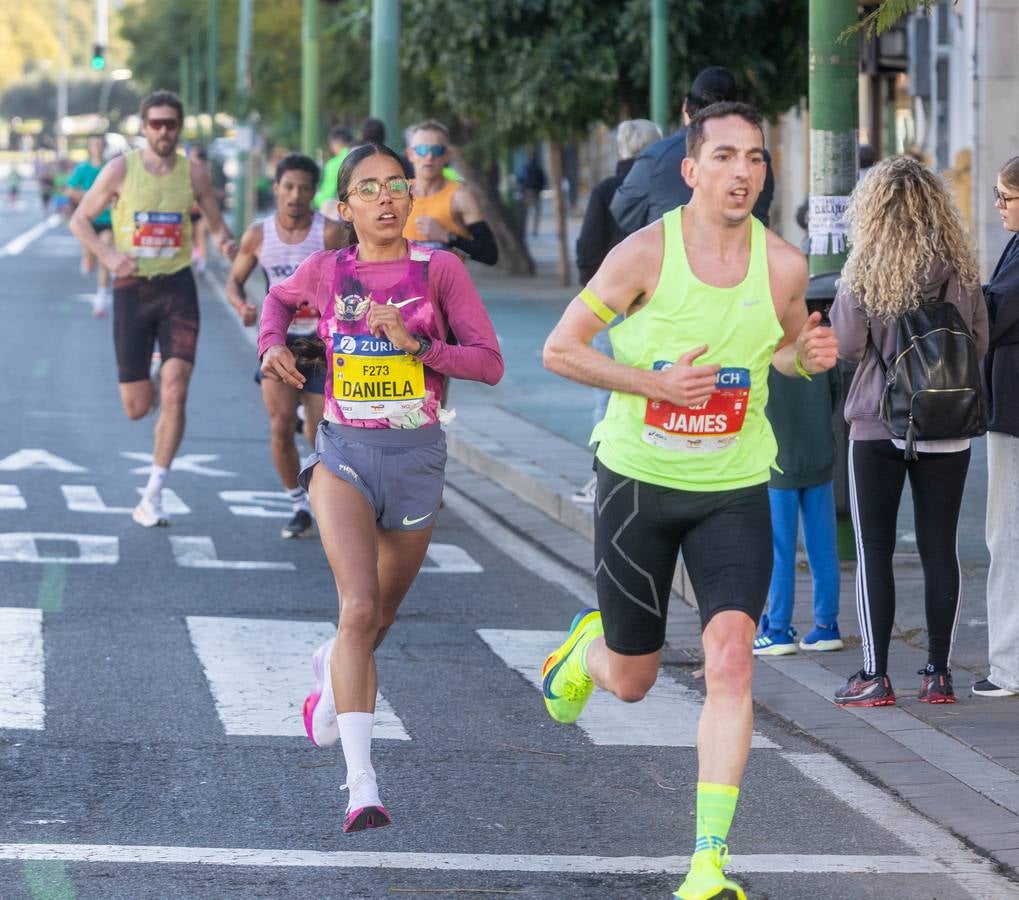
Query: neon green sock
point(716, 805)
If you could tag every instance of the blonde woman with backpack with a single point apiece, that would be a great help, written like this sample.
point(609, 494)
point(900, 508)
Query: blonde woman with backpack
point(908, 247)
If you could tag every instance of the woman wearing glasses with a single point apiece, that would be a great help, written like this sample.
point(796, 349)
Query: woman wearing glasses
point(1001, 371)
point(387, 308)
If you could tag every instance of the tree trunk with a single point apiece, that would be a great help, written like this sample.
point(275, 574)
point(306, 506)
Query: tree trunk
point(555, 165)
point(513, 254)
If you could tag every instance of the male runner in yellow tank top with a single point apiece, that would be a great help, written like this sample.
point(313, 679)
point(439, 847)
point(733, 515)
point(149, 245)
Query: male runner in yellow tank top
point(446, 213)
point(710, 298)
point(152, 191)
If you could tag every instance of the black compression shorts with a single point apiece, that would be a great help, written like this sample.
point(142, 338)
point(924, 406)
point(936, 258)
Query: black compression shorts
point(640, 529)
point(164, 307)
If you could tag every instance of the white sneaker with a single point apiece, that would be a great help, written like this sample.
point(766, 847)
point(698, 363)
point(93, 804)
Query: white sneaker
point(319, 706)
point(100, 304)
point(364, 809)
point(588, 493)
point(149, 513)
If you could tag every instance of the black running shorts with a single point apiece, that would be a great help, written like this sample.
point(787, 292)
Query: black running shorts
point(640, 529)
point(164, 307)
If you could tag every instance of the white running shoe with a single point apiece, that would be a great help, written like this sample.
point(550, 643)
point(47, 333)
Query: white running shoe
point(319, 706)
point(587, 494)
point(100, 304)
point(364, 809)
point(149, 513)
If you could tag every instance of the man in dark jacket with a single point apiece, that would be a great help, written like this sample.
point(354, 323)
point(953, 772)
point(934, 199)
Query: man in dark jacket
point(654, 184)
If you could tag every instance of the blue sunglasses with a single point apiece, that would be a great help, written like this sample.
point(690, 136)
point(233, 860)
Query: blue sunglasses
point(429, 149)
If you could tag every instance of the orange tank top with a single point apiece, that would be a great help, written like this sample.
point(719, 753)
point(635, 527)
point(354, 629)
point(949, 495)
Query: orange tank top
point(440, 207)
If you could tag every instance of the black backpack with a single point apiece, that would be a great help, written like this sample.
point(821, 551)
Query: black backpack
point(932, 386)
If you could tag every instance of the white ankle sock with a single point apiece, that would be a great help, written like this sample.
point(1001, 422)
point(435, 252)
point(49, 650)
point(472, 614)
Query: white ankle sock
point(154, 487)
point(299, 499)
point(356, 739)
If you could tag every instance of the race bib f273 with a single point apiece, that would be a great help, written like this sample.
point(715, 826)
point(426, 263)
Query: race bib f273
point(373, 379)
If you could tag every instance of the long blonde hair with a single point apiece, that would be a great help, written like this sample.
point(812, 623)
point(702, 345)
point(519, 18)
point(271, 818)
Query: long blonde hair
point(902, 221)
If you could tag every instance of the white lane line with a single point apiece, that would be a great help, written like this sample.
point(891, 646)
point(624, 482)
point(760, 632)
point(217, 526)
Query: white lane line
point(259, 672)
point(519, 550)
point(260, 504)
point(450, 559)
point(468, 862)
point(10, 497)
point(666, 717)
point(22, 676)
point(16, 245)
point(93, 549)
point(200, 553)
point(941, 750)
point(974, 874)
point(85, 498)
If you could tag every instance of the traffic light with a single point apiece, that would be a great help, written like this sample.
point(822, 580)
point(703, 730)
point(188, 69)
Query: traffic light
point(98, 57)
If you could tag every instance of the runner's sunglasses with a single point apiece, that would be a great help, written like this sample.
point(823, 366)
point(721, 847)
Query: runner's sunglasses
point(163, 124)
point(429, 149)
point(370, 189)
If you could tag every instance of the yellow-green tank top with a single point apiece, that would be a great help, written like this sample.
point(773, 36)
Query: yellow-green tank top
point(152, 217)
point(727, 443)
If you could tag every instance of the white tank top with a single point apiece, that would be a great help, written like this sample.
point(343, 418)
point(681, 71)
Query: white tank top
point(280, 260)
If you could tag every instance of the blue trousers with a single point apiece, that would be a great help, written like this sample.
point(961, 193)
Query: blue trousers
point(817, 506)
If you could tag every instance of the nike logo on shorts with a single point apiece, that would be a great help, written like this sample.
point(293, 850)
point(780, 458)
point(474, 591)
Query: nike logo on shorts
point(408, 521)
point(389, 302)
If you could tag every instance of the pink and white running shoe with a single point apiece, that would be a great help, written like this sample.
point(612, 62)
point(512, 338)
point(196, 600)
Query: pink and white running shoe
point(319, 706)
point(365, 809)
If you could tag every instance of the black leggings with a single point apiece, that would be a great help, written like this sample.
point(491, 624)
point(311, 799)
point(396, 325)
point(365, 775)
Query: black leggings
point(877, 471)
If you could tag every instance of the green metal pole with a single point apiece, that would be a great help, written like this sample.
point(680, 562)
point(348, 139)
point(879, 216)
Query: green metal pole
point(385, 67)
point(245, 131)
point(309, 79)
point(195, 77)
point(834, 136)
point(660, 63)
point(212, 65)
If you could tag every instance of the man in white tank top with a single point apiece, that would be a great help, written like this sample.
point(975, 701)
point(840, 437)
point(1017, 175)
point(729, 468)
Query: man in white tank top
point(279, 243)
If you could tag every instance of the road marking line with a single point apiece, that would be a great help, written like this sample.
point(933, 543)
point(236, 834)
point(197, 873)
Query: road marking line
point(16, 245)
point(22, 665)
point(469, 862)
point(93, 549)
point(200, 553)
point(51, 588)
point(260, 504)
point(666, 717)
point(259, 672)
point(450, 559)
point(10, 497)
point(47, 879)
point(185, 462)
point(85, 498)
point(972, 872)
point(993, 781)
point(37, 459)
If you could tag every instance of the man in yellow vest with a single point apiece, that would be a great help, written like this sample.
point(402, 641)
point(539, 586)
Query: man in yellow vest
point(710, 300)
point(446, 213)
point(152, 191)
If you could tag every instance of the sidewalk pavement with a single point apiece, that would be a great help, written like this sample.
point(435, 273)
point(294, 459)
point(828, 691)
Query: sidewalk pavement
point(525, 439)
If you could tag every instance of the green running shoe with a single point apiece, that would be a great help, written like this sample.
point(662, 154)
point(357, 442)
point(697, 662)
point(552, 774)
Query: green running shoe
point(707, 881)
point(564, 683)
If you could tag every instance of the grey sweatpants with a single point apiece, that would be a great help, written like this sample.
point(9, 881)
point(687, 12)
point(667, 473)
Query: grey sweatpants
point(1003, 541)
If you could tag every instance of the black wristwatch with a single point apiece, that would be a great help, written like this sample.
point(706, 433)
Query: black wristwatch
point(426, 345)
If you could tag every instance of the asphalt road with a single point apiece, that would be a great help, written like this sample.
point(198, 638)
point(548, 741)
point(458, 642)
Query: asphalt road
point(151, 681)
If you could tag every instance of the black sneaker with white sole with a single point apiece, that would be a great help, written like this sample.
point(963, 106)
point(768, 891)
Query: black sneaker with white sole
point(299, 526)
point(988, 688)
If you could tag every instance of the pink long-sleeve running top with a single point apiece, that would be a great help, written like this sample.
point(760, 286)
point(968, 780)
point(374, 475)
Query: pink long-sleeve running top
point(371, 383)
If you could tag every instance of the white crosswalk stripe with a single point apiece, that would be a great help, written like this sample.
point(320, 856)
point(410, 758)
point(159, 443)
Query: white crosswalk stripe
point(22, 681)
point(666, 717)
point(259, 672)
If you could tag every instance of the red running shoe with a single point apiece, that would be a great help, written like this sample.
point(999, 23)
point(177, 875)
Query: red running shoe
point(936, 687)
point(866, 690)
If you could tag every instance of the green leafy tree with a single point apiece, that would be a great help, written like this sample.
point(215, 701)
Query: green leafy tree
point(887, 14)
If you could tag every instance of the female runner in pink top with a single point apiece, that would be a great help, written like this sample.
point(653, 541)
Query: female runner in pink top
point(388, 311)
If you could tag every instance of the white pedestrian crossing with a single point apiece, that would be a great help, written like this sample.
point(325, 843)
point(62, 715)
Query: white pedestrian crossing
point(666, 717)
point(22, 678)
point(259, 672)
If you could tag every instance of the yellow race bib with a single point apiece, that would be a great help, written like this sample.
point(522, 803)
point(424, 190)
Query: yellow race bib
point(373, 379)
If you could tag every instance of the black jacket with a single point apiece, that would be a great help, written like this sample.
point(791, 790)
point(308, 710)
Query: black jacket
point(1001, 365)
point(800, 413)
point(655, 185)
point(600, 233)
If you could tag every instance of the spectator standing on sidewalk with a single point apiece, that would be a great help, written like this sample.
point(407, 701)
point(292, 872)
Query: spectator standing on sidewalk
point(801, 486)
point(532, 181)
point(599, 233)
point(908, 244)
point(655, 184)
point(1001, 373)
